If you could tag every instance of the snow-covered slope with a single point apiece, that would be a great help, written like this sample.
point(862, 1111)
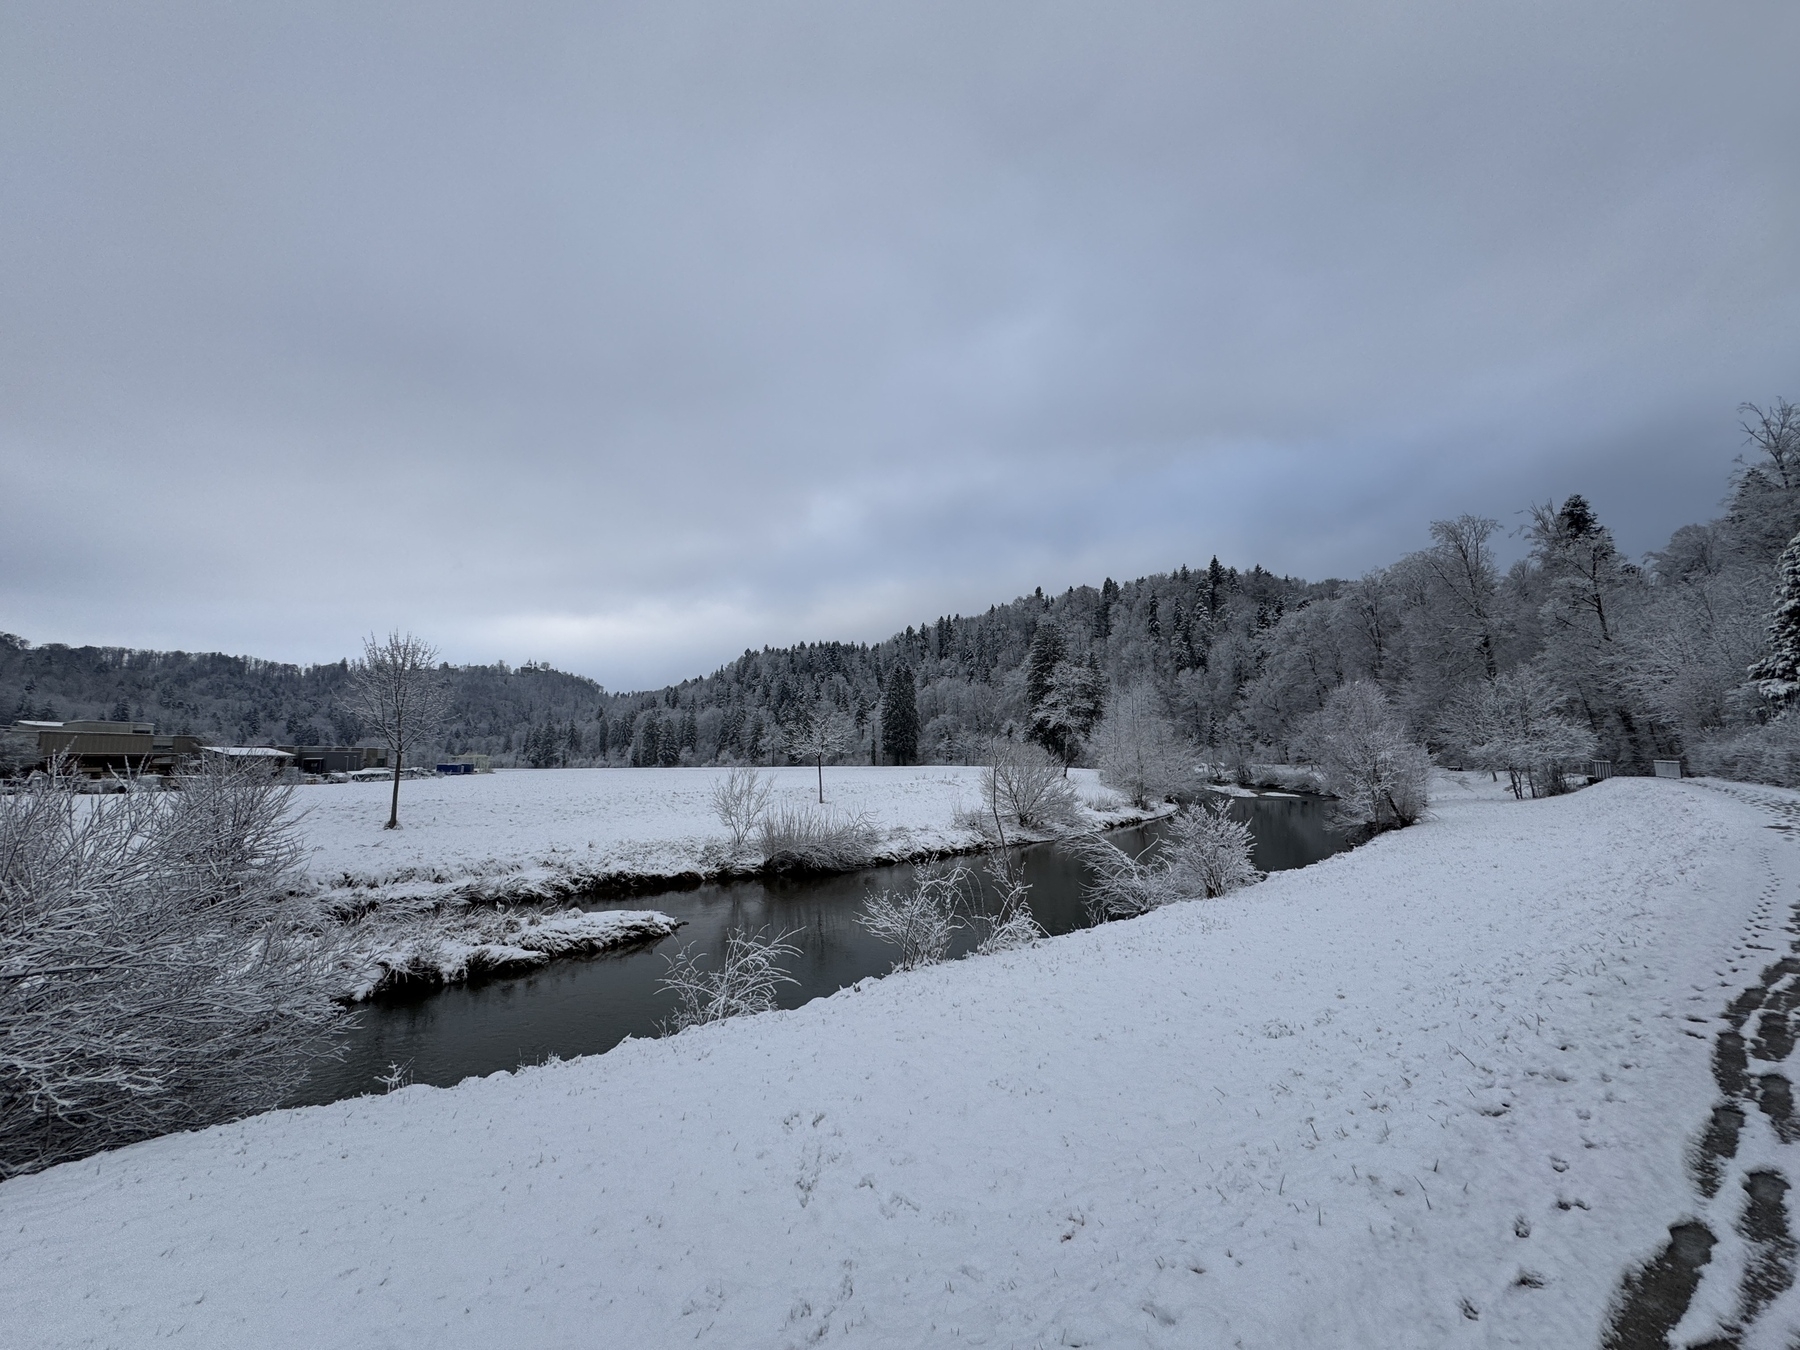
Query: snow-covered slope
point(1435, 1092)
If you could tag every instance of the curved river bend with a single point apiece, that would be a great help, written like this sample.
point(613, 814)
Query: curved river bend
point(584, 1007)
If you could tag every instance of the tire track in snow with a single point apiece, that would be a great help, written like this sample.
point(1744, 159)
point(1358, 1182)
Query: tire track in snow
point(1752, 1221)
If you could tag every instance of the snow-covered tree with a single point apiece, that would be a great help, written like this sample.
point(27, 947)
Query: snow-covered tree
point(1369, 761)
point(1138, 750)
point(900, 717)
point(1777, 671)
point(822, 732)
point(1065, 716)
point(1519, 723)
point(396, 692)
point(1024, 784)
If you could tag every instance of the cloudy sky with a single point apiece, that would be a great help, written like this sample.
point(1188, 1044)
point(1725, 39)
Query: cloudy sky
point(628, 335)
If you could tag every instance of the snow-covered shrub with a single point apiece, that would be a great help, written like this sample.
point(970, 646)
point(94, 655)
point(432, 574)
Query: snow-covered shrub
point(739, 799)
point(1769, 753)
point(800, 838)
point(1138, 750)
point(1368, 760)
point(148, 977)
point(1009, 923)
point(921, 921)
point(1207, 853)
point(1024, 784)
point(1204, 855)
point(746, 981)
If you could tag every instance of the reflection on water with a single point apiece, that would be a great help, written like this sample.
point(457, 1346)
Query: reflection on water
point(585, 1007)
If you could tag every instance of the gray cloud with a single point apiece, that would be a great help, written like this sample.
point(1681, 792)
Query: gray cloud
point(629, 336)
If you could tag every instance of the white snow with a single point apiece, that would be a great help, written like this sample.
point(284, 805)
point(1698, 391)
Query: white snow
point(439, 950)
point(544, 834)
point(1320, 1112)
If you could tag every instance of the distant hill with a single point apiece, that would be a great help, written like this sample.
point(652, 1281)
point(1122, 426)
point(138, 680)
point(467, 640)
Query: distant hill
point(969, 673)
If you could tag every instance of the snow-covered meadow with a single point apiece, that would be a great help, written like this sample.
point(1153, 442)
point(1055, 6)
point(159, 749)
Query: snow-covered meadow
point(537, 835)
point(1439, 1091)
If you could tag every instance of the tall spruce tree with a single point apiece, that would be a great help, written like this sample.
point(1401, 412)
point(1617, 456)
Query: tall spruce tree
point(900, 717)
point(1777, 674)
point(1047, 652)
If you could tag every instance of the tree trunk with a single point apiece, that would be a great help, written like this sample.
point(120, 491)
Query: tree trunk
point(821, 780)
point(394, 809)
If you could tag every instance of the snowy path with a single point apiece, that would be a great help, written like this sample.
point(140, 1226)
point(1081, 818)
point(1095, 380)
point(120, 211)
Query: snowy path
point(1726, 1274)
point(1440, 1091)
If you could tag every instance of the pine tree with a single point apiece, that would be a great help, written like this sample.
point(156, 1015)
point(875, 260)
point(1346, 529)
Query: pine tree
point(900, 717)
point(1777, 674)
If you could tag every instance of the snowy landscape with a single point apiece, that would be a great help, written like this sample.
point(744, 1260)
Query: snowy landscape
point(1023, 675)
point(1446, 1089)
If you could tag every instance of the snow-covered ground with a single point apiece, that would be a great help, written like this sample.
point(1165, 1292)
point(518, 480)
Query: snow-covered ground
point(545, 834)
point(442, 949)
point(1435, 1092)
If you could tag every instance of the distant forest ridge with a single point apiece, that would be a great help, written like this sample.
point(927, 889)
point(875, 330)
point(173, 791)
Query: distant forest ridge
point(1683, 653)
point(968, 672)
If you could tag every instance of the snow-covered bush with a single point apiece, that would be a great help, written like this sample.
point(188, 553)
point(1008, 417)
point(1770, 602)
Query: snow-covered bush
point(739, 799)
point(1368, 760)
point(1009, 922)
point(1024, 784)
point(800, 838)
point(924, 920)
point(1138, 750)
point(746, 981)
point(1769, 753)
point(148, 980)
point(920, 921)
point(1207, 853)
point(1204, 855)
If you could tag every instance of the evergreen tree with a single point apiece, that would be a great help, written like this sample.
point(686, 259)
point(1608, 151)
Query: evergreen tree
point(900, 717)
point(1777, 673)
point(1047, 652)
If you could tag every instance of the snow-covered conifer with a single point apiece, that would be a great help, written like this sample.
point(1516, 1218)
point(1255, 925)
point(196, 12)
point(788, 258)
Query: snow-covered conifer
point(1777, 671)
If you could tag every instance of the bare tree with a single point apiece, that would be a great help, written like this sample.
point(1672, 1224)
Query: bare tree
point(1023, 781)
point(823, 732)
point(150, 978)
point(1138, 750)
point(1462, 565)
point(395, 689)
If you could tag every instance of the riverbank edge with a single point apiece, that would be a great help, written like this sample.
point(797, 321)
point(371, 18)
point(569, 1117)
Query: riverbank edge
point(387, 958)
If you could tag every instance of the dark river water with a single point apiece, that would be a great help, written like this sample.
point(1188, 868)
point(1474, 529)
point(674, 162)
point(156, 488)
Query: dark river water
point(584, 1007)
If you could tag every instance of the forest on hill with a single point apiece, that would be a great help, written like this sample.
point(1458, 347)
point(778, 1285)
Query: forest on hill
point(1653, 656)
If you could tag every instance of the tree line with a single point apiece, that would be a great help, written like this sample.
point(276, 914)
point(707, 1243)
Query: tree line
point(1647, 658)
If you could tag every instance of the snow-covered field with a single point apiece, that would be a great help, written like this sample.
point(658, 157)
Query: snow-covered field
point(543, 834)
point(1434, 1092)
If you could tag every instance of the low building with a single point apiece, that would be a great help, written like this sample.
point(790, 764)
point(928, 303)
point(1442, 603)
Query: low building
point(94, 749)
point(318, 759)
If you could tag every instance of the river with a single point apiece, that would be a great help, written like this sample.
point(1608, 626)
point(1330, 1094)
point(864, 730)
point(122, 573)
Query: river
point(585, 1007)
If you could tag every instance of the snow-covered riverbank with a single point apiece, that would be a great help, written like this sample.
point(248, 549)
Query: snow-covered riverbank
point(1435, 1092)
point(541, 835)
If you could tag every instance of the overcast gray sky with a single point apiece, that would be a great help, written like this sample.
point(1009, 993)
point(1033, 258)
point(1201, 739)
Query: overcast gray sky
point(625, 336)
